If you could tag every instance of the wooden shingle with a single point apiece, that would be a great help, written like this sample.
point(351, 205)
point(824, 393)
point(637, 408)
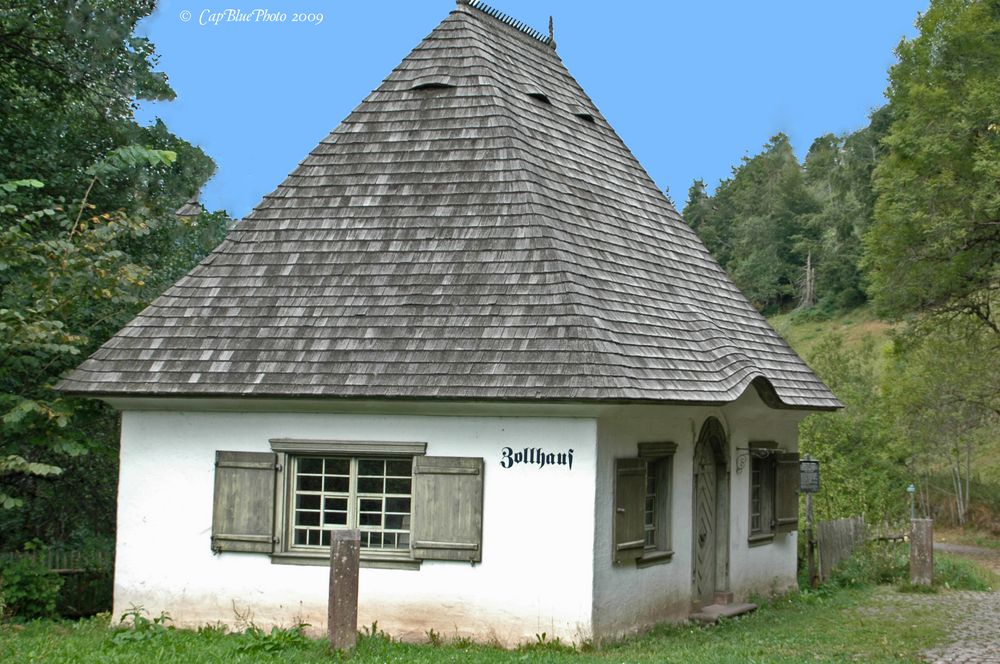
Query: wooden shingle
point(462, 240)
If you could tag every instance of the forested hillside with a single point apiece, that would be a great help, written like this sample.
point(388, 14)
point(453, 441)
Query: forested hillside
point(901, 217)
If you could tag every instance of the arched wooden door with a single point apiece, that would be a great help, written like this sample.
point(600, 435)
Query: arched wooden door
point(710, 563)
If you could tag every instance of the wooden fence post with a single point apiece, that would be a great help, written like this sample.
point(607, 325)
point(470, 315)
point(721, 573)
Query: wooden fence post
point(921, 552)
point(342, 609)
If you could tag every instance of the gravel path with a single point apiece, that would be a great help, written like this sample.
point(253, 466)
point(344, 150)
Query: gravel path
point(975, 637)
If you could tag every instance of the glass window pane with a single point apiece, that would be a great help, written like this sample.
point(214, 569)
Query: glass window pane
point(397, 504)
point(309, 483)
point(338, 467)
point(394, 521)
point(307, 502)
point(399, 467)
point(304, 518)
point(370, 485)
point(339, 504)
point(311, 465)
point(397, 486)
point(370, 519)
point(334, 518)
point(336, 484)
point(371, 504)
point(300, 537)
point(371, 467)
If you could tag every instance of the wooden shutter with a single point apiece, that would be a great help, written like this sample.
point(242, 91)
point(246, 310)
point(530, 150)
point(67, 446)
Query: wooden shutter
point(447, 509)
point(243, 512)
point(630, 497)
point(786, 492)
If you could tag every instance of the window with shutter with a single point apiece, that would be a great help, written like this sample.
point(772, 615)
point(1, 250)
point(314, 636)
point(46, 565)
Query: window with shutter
point(657, 515)
point(447, 508)
point(243, 510)
point(328, 485)
point(629, 538)
point(774, 492)
point(408, 507)
point(786, 492)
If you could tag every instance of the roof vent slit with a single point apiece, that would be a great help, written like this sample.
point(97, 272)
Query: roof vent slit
point(432, 85)
point(540, 96)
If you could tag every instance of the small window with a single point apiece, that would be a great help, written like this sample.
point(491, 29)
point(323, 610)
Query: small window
point(761, 496)
point(371, 494)
point(774, 492)
point(657, 512)
point(642, 525)
point(405, 504)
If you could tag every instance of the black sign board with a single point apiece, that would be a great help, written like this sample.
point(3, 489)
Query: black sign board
point(808, 476)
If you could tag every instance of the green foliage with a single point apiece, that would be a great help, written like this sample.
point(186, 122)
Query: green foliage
point(888, 563)
point(864, 470)
point(136, 627)
point(277, 640)
point(84, 252)
point(875, 563)
point(944, 399)
point(935, 246)
point(28, 588)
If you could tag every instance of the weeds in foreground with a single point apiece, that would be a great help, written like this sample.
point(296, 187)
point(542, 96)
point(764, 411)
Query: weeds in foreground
point(135, 627)
point(278, 639)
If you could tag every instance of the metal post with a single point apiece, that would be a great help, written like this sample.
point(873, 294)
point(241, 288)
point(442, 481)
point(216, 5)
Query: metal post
point(913, 505)
point(342, 609)
point(810, 543)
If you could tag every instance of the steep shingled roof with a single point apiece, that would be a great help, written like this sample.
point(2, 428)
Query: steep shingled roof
point(473, 230)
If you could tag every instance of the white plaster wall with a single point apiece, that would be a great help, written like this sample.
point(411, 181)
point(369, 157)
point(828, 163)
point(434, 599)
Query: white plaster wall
point(538, 530)
point(627, 598)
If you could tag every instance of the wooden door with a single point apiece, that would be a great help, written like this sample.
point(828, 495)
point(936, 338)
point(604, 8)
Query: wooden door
point(705, 523)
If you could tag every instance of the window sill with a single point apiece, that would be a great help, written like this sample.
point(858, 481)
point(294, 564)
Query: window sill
point(654, 558)
point(760, 540)
point(292, 558)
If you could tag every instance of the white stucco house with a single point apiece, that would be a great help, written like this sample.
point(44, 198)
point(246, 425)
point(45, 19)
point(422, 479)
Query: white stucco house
point(471, 326)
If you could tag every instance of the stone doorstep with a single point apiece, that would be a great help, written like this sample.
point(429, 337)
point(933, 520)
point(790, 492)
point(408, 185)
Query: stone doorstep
point(712, 613)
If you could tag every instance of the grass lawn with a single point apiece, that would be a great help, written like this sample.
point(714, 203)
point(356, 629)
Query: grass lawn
point(827, 626)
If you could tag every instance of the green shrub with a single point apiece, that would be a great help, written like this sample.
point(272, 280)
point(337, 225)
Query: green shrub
point(872, 564)
point(29, 588)
point(889, 563)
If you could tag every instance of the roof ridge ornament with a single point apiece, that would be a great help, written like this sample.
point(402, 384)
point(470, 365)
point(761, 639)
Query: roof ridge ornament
point(512, 22)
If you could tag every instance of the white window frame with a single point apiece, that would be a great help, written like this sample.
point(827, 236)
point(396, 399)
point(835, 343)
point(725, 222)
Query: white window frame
point(289, 451)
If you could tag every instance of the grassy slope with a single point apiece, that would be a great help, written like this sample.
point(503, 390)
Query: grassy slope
point(803, 333)
point(855, 328)
point(837, 626)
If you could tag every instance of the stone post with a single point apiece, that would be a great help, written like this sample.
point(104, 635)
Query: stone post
point(921, 552)
point(342, 609)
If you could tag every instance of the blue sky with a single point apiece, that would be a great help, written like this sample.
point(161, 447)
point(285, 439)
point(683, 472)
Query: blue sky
point(691, 87)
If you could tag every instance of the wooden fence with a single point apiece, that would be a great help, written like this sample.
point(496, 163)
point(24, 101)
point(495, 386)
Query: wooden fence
point(836, 541)
point(63, 561)
point(87, 578)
